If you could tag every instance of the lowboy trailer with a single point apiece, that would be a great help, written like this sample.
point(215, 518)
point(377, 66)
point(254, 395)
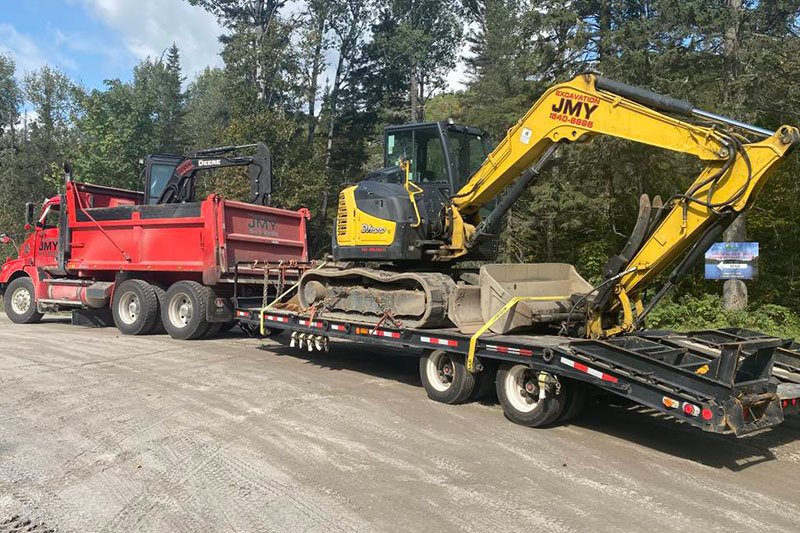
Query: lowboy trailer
point(722, 381)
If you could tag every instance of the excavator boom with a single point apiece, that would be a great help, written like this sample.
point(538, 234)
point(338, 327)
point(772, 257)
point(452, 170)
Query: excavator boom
point(588, 106)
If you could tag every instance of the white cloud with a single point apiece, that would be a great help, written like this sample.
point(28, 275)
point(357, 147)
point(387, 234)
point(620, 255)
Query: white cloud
point(25, 52)
point(149, 27)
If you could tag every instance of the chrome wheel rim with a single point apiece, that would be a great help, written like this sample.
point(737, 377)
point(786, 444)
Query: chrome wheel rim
point(129, 307)
point(522, 388)
point(440, 371)
point(21, 301)
point(180, 310)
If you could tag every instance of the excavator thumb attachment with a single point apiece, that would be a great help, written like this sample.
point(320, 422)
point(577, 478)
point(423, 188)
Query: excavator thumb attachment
point(261, 175)
point(645, 221)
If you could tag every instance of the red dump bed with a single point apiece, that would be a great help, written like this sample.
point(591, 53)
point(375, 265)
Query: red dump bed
point(109, 230)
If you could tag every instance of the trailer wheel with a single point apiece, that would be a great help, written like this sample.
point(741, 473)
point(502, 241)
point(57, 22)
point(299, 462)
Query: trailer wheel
point(135, 307)
point(184, 310)
point(20, 302)
point(518, 392)
point(445, 377)
point(485, 380)
point(576, 399)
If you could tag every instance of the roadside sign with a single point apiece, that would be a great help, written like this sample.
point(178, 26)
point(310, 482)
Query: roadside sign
point(732, 260)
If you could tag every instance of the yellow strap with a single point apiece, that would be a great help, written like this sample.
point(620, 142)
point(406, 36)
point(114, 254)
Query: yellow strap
point(473, 342)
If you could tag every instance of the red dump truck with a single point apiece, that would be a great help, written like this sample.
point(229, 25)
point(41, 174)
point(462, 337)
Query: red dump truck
point(153, 260)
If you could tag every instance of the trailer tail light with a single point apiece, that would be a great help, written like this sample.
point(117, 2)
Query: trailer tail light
point(690, 409)
point(670, 403)
point(707, 414)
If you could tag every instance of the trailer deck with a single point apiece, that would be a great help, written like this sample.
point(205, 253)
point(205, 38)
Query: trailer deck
point(721, 381)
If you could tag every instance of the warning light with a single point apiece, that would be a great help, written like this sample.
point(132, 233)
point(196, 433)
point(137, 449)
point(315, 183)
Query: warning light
point(690, 410)
point(707, 414)
point(670, 403)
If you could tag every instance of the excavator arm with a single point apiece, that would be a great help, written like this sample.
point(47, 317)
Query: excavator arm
point(590, 105)
point(180, 187)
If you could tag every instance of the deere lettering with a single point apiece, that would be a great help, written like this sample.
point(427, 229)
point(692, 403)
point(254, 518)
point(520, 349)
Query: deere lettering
point(262, 225)
point(369, 228)
point(574, 108)
point(208, 162)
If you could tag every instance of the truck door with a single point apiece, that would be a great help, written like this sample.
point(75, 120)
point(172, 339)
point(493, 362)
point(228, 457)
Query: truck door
point(46, 243)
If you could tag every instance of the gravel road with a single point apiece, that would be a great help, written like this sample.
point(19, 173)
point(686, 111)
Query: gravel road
point(102, 432)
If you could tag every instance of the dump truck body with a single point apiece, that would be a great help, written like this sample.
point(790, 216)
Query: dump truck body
point(90, 239)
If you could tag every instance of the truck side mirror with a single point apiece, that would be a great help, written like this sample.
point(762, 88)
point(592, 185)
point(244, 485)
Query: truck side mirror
point(30, 213)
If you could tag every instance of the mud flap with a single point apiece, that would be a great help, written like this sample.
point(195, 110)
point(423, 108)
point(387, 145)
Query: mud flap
point(218, 309)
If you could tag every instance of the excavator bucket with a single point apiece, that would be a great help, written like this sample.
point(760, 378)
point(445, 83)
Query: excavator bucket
point(547, 288)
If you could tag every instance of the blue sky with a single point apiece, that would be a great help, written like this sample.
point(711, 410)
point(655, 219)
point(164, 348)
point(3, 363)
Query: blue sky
point(93, 40)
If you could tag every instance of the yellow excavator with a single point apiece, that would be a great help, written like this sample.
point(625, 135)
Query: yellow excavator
point(405, 234)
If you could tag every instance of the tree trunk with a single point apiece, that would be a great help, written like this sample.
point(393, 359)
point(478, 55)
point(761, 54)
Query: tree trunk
point(414, 90)
point(312, 89)
point(734, 291)
point(334, 97)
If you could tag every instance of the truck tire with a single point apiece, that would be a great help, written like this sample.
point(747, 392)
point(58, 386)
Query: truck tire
point(445, 377)
point(161, 295)
point(20, 302)
point(184, 310)
point(518, 392)
point(135, 307)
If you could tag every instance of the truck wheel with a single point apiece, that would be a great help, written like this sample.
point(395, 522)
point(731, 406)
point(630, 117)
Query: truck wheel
point(445, 377)
point(20, 302)
point(161, 295)
point(184, 310)
point(135, 307)
point(518, 392)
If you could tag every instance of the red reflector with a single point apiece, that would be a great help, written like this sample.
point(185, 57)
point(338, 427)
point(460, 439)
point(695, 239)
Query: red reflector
point(794, 401)
point(691, 410)
point(786, 403)
point(707, 414)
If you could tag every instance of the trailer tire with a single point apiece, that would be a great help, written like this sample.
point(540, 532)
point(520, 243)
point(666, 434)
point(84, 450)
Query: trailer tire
point(20, 302)
point(135, 307)
point(576, 399)
point(445, 377)
point(518, 392)
point(184, 310)
point(485, 380)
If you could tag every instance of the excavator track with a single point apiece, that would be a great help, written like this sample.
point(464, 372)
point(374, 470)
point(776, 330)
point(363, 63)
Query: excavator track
point(414, 299)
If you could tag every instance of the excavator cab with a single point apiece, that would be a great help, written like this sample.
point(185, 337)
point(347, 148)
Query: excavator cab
point(171, 178)
point(442, 155)
point(398, 212)
point(158, 170)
